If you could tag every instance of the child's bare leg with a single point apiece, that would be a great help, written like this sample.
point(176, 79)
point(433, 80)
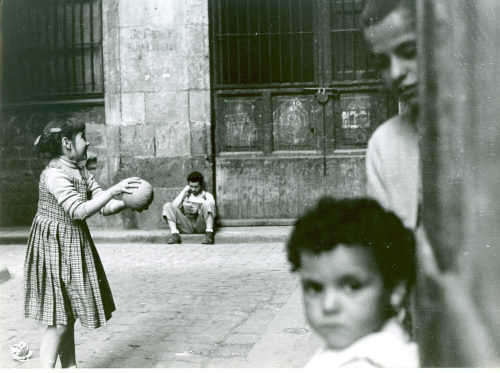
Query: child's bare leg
point(210, 222)
point(67, 349)
point(172, 226)
point(208, 213)
point(51, 343)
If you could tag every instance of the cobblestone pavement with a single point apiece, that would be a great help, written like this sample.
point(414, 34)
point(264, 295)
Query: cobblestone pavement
point(178, 306)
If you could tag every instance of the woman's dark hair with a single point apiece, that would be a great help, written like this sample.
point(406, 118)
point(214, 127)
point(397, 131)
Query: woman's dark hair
point(356, 222)
point(374, 11)
point(50, 140)
point(195, 177)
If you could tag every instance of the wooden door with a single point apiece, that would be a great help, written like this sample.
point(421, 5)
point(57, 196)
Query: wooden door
point(295, 97)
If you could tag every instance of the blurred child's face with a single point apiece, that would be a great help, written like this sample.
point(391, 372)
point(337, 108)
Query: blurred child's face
point(394, 42)
point(344, 295)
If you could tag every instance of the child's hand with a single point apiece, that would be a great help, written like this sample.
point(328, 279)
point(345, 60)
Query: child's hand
point(125, 186)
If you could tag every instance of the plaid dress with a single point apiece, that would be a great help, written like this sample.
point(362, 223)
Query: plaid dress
point(63, 275)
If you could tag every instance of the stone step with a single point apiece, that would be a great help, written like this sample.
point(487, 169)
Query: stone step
point(223, 235)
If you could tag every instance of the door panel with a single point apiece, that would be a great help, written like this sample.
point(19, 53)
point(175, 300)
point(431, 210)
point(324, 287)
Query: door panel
point(297, 123)
point(267, 187)
point(240, 120)
point(345, 175)
point(357, 113)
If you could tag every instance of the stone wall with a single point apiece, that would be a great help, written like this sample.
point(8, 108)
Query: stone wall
point(21, 164)
point(157, 95)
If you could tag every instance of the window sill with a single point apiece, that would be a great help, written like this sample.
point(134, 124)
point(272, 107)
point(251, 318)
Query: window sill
point(82, 102)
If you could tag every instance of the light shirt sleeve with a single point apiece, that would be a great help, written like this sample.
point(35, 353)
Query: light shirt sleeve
point(210, 198)
point(93, 187)
point(60, 186)
point(375, 186)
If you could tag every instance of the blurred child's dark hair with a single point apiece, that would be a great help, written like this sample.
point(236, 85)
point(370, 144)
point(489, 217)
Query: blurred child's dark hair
point(375, 11)
point(50, 140)
point(356, 222)
point(195, 177)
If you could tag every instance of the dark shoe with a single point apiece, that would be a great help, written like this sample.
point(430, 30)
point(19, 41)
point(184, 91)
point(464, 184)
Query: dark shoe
point(175, 238)
point(209, 238)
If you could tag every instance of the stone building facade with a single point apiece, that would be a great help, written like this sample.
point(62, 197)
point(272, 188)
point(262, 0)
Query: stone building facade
point(272, 100)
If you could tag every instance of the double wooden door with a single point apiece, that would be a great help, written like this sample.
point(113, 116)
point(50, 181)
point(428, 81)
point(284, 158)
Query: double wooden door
point(296, 97)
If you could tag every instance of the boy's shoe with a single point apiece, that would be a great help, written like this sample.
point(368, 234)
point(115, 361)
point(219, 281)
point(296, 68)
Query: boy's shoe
point(175, 238)
point(209, 238)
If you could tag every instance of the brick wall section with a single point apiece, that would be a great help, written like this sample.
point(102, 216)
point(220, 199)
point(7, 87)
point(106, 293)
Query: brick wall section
point(155, 122)
point(21, 164)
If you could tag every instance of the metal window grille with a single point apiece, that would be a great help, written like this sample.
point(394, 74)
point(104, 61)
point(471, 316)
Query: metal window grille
point(351, 60)
point(53, 49)
point(272, 42)
point(263, 41)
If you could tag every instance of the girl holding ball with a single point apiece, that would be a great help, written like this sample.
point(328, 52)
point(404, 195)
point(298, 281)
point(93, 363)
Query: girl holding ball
point(63, 276)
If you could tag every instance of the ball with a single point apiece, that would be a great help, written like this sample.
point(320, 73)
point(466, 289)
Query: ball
point(140, 198)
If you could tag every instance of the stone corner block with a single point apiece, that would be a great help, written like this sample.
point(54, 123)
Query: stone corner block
point(137, 141)
point(166, 107)
point(199, 106)
point(113, 110)
point(173, 139)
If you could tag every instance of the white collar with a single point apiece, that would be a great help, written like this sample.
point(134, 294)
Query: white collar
point(67, 162)
point(389, 347)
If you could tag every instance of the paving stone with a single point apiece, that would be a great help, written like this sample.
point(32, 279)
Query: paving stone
point(177, 364)
point(231, 362)
point(242, 338)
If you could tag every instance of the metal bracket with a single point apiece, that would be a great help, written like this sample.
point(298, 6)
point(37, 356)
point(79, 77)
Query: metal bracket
point(323, 94)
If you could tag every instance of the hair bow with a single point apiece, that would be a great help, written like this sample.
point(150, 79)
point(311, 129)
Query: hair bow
point(51, 130)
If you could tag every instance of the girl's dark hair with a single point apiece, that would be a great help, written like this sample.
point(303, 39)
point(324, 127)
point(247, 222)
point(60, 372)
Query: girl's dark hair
point(356, 222)
point(50, 140)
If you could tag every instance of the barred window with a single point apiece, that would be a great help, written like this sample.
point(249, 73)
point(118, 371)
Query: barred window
point(288, 42)
point(350, 57)
point(52, 50)
point(262, 41)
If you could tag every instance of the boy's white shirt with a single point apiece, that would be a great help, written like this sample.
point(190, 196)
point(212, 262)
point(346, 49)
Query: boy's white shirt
point(192, 203)
point(390, 347)
point(200, 198)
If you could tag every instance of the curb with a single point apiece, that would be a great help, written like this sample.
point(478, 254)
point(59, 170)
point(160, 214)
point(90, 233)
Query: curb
point(224, 235)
